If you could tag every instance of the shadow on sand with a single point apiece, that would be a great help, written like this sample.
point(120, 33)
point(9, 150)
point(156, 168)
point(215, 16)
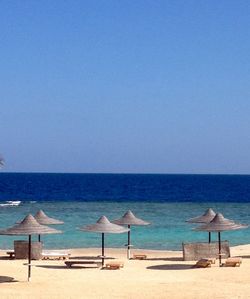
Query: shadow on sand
point(4, 279)
point(243, 256)
point(171, 259)
point(6, 258)
point(62, 267)
point(171, 267)
point(90, 258)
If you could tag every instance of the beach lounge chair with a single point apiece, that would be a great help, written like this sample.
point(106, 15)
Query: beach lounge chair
point(203, 263)
point(69, 264)
point(211, 259)
point(233, 262)
point(47, 255)
point(139, 257)
point(114, 265)
point(11, 253)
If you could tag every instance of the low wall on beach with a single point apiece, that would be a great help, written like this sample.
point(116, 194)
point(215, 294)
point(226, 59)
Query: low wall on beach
point(199, 250)
point(21, 249)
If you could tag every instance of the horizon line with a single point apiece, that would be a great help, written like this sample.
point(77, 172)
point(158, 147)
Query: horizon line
point(123, 173)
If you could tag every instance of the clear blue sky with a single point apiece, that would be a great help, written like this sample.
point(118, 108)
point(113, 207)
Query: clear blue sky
point(125, 86)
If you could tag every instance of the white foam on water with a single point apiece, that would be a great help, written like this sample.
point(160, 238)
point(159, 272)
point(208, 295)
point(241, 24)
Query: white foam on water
point(11, 203)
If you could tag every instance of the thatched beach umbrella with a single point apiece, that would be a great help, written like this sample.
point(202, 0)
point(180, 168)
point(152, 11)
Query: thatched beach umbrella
point(103, 226)
point(29, 226)
point(129, 219)
point(220, 224)
point(43, 219)
point(1, 161)
point(204, 218)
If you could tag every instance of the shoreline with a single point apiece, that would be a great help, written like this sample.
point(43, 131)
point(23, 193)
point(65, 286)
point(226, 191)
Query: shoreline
point(240, 247)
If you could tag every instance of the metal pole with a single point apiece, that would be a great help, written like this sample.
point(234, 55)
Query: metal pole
point(102, 249)
point(128, 253)
point(209, 237)
point(219, 248)
point(29, 259)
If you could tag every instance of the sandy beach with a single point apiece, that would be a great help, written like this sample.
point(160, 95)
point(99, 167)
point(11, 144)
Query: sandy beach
point(162, 275)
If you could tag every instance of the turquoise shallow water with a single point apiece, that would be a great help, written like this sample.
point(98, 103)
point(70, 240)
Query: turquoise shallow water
point(167, 231)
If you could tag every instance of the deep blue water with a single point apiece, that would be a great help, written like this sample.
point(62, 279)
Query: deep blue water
point(164, 200)
point(125, 187)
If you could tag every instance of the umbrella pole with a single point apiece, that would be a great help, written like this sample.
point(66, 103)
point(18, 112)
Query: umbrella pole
point(209, 237)
point(29, 259)
point(219, 248)
point(102, 249)
point(128, 253)
point(39, 238)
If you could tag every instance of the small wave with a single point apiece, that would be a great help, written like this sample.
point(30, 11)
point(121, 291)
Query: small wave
point(32, 201)
point(11, 203)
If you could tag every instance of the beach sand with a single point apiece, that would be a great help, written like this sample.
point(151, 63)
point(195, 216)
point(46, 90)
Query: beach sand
point(162, 275)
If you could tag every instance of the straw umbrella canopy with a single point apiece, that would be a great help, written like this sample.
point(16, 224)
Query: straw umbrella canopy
point(1, 161)
point(29, 226)
point(204, 218)
point(103, 226)
point(43, 219)
point(220, 224)
point(129, 219)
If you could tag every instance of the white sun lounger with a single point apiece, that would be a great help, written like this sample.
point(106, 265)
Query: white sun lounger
point(47, 255)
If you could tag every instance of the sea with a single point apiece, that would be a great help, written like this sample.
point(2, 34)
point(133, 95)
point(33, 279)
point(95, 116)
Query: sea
point(165, 200)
